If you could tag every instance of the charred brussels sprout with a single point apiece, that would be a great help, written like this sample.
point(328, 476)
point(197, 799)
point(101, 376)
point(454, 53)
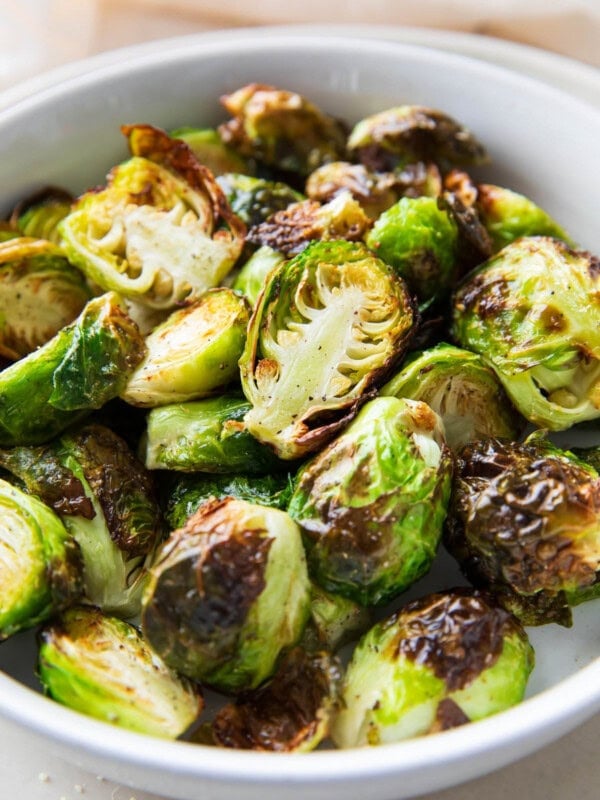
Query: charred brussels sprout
point(101, 666)
point(330, 323)
point(413, 133)
point(205, 436)
point(291, 713)
point(281, 129)
point(525, 524)
point(39, 562)
point(106, 501)
point(441, 661)
point(80, 369)
point(38, 216)
point(253, 275)
point(40, 293)
point(372, 504)
point(532, 313)
point(193, 353)
point(459, 387)
point(256, 199)
point(228, 593)
point(161, 232)
point(210, 150)
point(420, 240)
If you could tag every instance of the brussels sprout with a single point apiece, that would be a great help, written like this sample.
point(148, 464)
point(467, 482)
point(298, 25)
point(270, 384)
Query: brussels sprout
point(186, 493)
point(420, 240)
point(81, 368)
point(291, 713)
point(227, 594)
point(441, 661)
point(40, 293)
point(7, 232)
point(525, 524)
point(210, 150)
point(39, 562)
point(334, 620)
point(38, 216)
point(281, 128)
point(375, 191)
point(161, 232)
point(329, 324)
point(408, 133)
point(101, 666)
point(533, 315)
point(372, 504)
point(291, 231)
point(205, 436)
point(193, 353)
point(106, 501)
point(252, 276)
point(255, 199)
point(459, 387)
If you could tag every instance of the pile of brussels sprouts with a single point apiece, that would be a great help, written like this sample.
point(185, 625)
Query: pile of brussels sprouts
point(249, 386)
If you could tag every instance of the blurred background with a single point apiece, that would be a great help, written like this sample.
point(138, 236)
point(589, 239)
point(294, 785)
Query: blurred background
point(36, 35)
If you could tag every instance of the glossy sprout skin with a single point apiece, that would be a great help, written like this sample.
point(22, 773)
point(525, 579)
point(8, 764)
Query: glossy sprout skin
point(525, 525)
point(372, 504)
point(227, 594)
point(211, 151)
point(252, 277)
point(462, 389)
point(194, 353)
point(101, 666)
point(161, 232)
point(255, 199)
point(80, 369)
point(334, 621)
point(441, 661)
point(40, 293)
point(532, 313)
point(40, 567)
point(329, 325)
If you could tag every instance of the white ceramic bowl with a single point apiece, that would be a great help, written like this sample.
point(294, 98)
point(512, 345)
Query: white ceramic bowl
point(543, 143)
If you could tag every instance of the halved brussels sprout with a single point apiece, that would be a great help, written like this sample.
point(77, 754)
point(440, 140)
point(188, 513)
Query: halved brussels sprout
point(80, 369)
point(38, 216)
point(40, 293)
point(227, 594)
point(161, 232)
point(193, 353)
point(106, 501)
point(256, 199)
point(330, 324)
point(40, 565)
point(372, 504)
point(459, 387)
point(420, 240)
point(334, 620)
point(281, 128)
point(525, 524)
point(101, 666)
point(211, 150)
point(251, 278)
point(413, 133)
point(533, 314)
point(441, 661)
point(205, 436)
point(291, 713)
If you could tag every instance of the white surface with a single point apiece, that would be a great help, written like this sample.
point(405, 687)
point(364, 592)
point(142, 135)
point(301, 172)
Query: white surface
point(63, 780)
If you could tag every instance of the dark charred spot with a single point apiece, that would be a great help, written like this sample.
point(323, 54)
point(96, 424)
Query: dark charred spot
point(448, 715)
point(553, 320)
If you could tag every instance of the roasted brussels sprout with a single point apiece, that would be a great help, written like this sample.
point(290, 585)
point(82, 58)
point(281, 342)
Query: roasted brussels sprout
point(334, 620)
point(205, 436)
point(106, 501)
point(420, 240)
point(40, 565)
point(211, 150)
point(40, 293)
point(228, 593)
point(413, 133)
point(459, 387)
point(101, 666)
point(532, 313)
point(161, 232)
point(193, 353)
point(78, 370)
point(330, 324)
point(38, 216)
point(256, 199)
point(281, 128)
point(525, 524)
point(291, 713)
point(184, 494)
point(372, 504)
point(252, 276)
point(441, 661)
